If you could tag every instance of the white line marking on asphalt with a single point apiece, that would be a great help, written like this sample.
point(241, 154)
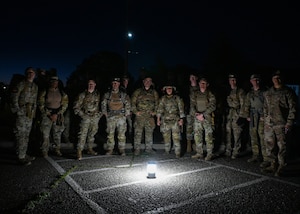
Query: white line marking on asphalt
point(209, 195)
point(147, 180)
point(77, 188)
point(117, 166)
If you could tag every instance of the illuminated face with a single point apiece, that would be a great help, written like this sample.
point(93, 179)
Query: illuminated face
point(147, 82)
point(54, 83)
point(276, 80)
point(203, 85)
point(30, 74)
point(232, 82)
point(91, 85)
point(254, 81)
point(115, 85)
point(169, 90)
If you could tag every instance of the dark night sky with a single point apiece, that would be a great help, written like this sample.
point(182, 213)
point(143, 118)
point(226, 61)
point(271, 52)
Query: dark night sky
point(50, 34)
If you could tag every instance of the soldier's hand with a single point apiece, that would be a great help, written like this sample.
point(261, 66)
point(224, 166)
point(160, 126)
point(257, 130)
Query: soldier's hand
point(20, 112)
point(53, 117)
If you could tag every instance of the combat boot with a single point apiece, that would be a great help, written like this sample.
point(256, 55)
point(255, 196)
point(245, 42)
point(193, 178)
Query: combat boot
point(189, 146)
point(197, 156)
point(58, 153)
point(24, 162)
point(178, 155)
point(137, 152)
point(209, 157)
point(270, 169)
point(29, 158)
point(254, 159)
point(264, 164)
point(45, 154)
point(227, 153)
point(79, 154)
point(122, 152)
point(91, 152)
point(109, 152)
point(279, 171)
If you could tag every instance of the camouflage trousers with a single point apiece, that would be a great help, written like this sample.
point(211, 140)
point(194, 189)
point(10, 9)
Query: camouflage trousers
point(275, 139)
point(258, 146)
point(141, 124)
point(235, 131)
point(49, 128)
point(203, 130)
point(22, 132)
point(170, 131)
point(88, 129)
point(66, 132)
point(116, 124)
point(189, 127)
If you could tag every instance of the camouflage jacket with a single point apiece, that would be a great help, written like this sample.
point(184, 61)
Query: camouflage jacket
point(87, 103)
point(254, 103)
point(122, 100)
point(203, 102)
point(170, 108)
point(235, 102)
point(145, 101)
point(24, 95)
point(280, 106)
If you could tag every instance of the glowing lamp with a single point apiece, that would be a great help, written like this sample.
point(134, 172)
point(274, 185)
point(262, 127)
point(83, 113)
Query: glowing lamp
point(151, 169)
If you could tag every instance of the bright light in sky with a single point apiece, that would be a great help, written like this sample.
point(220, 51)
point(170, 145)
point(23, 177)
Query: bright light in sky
point(129, 35)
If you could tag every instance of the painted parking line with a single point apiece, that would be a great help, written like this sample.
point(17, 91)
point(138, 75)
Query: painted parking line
point(85, 194)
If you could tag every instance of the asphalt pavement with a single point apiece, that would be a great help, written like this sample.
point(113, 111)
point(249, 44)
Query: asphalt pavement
point(116, 184)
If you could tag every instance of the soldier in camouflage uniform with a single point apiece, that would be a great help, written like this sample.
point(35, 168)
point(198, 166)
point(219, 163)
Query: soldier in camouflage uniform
point(203, 105)
point(86, 106)
point(52, 103)
point(253, 111)
point(235, 102)
point(116, 107)
point(23, 104)
point(144, 103)
point(170, 114)
point(279, 116)
point(189, 118)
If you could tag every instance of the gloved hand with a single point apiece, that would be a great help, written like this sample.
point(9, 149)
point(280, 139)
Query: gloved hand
point(241, 121)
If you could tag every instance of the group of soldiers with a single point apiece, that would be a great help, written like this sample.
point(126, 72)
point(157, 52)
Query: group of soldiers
point(270, 115)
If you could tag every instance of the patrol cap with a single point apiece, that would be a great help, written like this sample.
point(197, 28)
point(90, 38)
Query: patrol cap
point(54, 78)
point(232, 76)
point(116, 79)
point(276, 73)
point(254, 76)
point(169, 86)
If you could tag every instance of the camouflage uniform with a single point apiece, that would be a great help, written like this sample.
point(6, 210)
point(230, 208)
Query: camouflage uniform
point(24, 103)
point(66, 132)
point(116, 107)
point(279, 116)
point(235, 102)
point(190, 120)
point(86, 106)
point(170, 110)
point(145, 102)
point(203, 103)
point(47, 125)
point(254, 111)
